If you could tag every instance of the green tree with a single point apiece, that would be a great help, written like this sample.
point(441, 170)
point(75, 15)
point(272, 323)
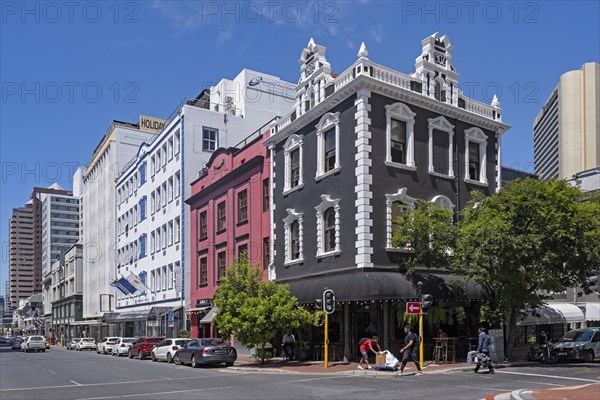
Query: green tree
point(530, 238)
point(253, 310)
point(427, 233)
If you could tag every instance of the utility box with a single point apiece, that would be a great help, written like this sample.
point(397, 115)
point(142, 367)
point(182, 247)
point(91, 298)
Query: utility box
point(496, 345)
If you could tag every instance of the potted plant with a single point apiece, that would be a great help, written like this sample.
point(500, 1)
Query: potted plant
point(306, 352)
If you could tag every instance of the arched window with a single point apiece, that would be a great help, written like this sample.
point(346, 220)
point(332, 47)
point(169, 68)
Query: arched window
point(328, 227)
point(394, 204)
point(295, 240)
point(293, 237)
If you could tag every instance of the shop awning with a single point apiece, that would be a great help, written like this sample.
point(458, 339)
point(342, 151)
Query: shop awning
point(196, 310)
point(209, 316)
point(366, 286)
point(141, 315)
point(554, 313)
point(91, 322)
point(592, 311)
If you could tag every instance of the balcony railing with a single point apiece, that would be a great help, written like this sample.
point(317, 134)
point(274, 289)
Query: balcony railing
point(402, 81)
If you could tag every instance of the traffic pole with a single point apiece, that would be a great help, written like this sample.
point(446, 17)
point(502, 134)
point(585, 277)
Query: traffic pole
point(326, 346)
point(421, 336)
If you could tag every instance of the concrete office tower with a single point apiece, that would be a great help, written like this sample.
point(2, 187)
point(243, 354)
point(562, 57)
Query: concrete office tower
point(566, 132)
point(119, 144)
point(25, 246)
point(60, 226)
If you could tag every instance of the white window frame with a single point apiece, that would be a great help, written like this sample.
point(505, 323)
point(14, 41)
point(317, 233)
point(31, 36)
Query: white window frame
point(163, 193)
point(215, 141)
point(402, 197)
point(177, 142)
point(170, 233)
point(170, 188)
point(164, 236)
point(170, 148)
point(476, 135)
point(287, 223)
point(326, 203)
point(292, 143)
point(327, 122)
point(400, 112)
point(164, 155)
point(177, 184)
point(177, 228)
point(152, 242)
point(153, 165)
point(441, 124)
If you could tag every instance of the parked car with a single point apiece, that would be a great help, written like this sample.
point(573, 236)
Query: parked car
point(86, 344)
point(165, 350)
point(36, 343)
point(579, 344)
point(105, 345)
point(121, 346)
point(206, 351)
point(16, 343)
point(143, 346)
point(71, 344)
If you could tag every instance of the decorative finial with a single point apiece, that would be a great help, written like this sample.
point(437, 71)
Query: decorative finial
point(363, 52)
point(495, 102)
point(311, 43)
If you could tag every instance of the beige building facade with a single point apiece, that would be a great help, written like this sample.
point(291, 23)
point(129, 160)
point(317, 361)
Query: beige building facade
point(566, 132)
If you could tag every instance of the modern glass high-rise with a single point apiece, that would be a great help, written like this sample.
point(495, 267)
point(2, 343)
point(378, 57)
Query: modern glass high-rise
point(566, 131)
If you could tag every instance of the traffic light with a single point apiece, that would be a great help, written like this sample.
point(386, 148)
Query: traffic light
point(328, 301)
point(318, 304)
point(426, 301)
point(594, 283)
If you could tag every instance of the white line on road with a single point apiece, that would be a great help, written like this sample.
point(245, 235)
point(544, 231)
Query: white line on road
point(52, 371)
point(200, 389)
point(548, 376)
point(76, 383)
point(96, 384)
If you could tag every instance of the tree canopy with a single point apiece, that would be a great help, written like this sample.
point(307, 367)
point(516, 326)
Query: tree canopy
point(427, 233)
point(531, 238)
point(253, 310)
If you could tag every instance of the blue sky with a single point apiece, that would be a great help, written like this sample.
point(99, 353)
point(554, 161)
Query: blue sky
point(67, 70)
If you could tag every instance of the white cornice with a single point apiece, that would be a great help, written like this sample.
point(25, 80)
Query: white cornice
point(385, 89)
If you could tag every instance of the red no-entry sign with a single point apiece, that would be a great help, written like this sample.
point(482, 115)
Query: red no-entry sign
point(413, 307)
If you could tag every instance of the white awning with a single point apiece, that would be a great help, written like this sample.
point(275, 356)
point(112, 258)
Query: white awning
point(209, 316)
point(592, 311)
point(554, 313)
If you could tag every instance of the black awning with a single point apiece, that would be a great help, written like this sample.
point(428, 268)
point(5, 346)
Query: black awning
point(380, 285)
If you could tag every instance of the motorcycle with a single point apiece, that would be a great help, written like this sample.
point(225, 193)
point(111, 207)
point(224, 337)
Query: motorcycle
point(544, 352)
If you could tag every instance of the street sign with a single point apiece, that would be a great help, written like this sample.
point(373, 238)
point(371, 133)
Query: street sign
point(171, 319)
point(413, 307)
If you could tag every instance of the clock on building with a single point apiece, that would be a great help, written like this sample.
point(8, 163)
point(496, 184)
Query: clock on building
point(440, 58)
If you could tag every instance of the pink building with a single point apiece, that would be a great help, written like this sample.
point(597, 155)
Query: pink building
point(229, 207)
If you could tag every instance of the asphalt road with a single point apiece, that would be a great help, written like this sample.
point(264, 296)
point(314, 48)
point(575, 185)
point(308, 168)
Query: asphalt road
point(62, 375)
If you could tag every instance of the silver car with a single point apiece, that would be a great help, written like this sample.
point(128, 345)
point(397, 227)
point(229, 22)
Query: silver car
point(122, 345)
point(86, 344)
point(32, 343)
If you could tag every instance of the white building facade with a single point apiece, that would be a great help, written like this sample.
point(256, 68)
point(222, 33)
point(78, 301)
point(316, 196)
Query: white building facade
point(152, 219)
point(120, 143)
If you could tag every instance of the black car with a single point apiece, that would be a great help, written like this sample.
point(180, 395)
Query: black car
point(16, 343)
point(205, 351)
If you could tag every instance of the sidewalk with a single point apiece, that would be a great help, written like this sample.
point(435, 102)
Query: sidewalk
point(277, 366)
point(589, 391)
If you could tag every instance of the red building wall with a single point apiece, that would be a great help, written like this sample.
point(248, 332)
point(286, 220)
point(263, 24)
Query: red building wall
point(228, 173)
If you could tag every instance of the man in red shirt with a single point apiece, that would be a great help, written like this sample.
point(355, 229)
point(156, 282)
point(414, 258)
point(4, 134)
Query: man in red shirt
point(365, 347)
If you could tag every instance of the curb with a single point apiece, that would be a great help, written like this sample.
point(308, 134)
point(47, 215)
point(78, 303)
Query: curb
point(521, 394)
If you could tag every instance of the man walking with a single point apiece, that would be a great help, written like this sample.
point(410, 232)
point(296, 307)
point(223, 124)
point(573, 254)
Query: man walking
point(365, 347)
point(409, 351)
point(483, 346)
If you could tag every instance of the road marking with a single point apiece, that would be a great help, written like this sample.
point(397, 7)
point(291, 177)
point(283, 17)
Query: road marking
point(165, 378)
point(76, 383)
point(97, 384)
point(547, 376)
point(52, 371)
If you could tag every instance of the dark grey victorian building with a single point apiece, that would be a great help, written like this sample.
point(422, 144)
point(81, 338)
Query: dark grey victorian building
point(356, 146)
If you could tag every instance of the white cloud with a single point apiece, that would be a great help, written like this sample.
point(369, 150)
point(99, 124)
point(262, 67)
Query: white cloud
point(377, 33)
point(350, 44)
